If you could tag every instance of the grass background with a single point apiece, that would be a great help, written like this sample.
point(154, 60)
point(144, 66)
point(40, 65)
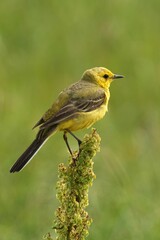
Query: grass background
point(44, 47)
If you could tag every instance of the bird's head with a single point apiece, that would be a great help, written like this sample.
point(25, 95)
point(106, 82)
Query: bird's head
point(100, 76)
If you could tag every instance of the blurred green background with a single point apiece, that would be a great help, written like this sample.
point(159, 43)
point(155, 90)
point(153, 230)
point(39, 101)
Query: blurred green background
point(44, 47)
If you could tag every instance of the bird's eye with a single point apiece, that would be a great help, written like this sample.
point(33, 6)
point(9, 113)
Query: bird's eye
point(105, 76)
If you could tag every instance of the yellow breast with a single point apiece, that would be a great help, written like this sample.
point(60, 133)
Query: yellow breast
point(84, 119)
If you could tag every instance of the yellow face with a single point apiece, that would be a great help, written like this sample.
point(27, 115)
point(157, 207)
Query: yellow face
point(103, 76)
point(100, 75)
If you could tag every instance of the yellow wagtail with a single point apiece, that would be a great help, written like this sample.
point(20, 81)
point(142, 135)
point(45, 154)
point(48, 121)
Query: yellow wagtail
point(78, 106)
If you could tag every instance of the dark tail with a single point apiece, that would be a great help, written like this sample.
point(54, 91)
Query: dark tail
point(41, 138)
point(27, 155)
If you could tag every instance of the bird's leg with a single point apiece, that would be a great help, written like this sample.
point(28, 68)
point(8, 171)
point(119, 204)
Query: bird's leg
point(78, 140)
point(66, 141)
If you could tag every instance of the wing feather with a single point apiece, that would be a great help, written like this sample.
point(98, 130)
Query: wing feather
point(76, 106)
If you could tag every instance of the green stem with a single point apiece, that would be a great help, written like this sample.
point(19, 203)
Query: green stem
point(72, 221)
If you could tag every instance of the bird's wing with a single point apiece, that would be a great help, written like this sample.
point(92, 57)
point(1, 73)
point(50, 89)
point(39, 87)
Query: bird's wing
point(76, 105)
point(90, 104)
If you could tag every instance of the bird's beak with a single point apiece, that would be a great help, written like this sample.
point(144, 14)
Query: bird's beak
point(115, 76)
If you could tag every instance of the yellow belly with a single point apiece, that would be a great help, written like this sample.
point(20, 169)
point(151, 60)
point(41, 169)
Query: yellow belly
point(83, 120)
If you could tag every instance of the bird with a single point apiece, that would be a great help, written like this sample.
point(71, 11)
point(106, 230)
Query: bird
point(77, 107)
